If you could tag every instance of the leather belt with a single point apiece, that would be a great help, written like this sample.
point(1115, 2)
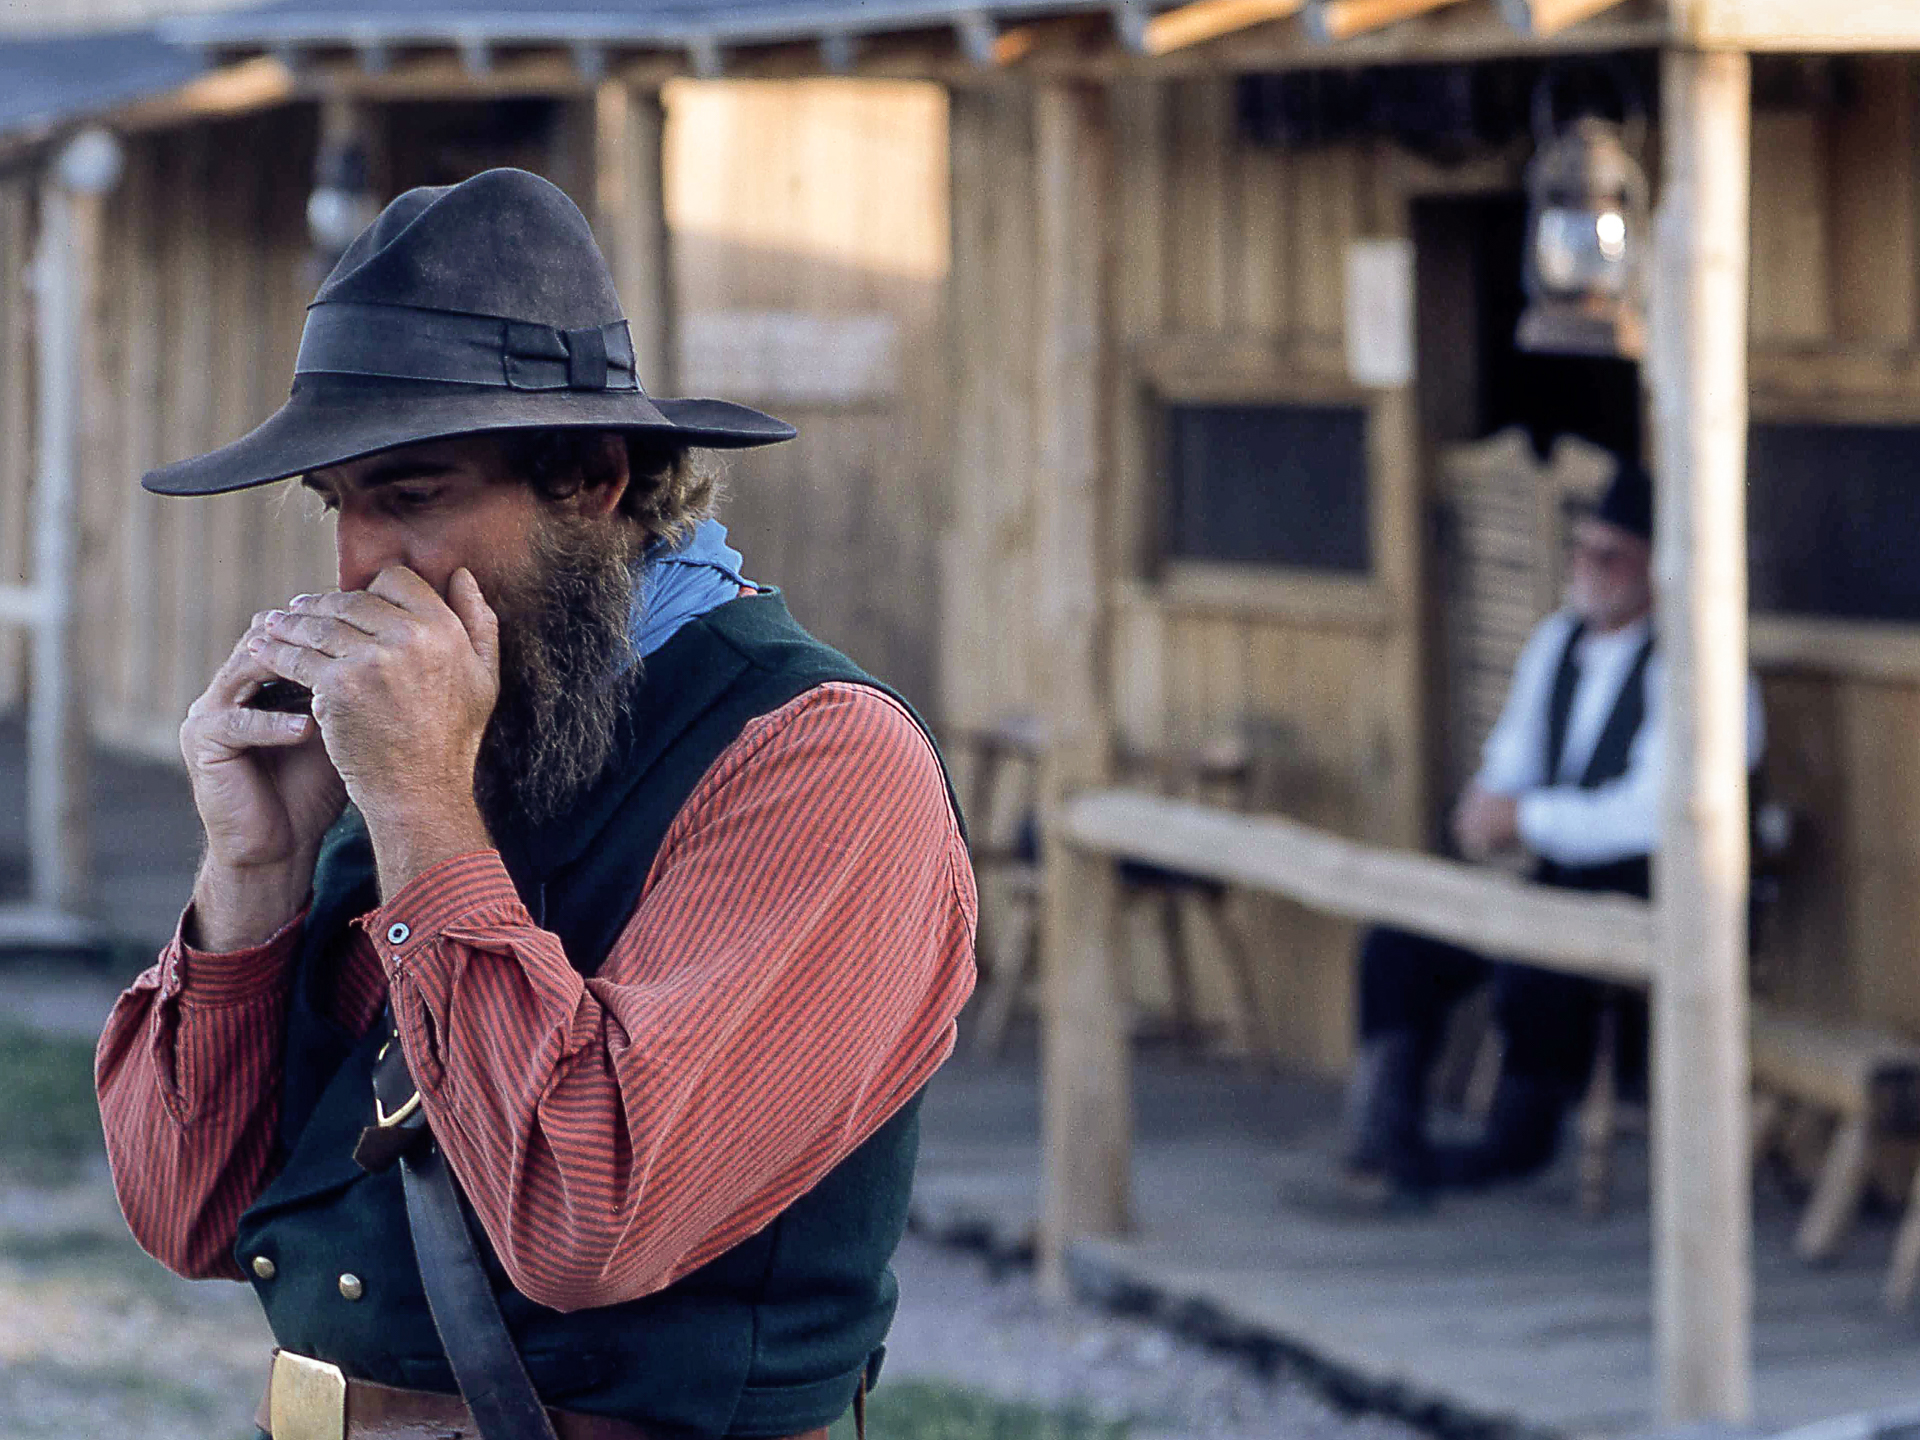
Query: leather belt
point(311, 1400)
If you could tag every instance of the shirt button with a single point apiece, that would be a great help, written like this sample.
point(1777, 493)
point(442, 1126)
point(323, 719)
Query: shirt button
point(351, 1287)
point(264, 1268)
point(397, 933)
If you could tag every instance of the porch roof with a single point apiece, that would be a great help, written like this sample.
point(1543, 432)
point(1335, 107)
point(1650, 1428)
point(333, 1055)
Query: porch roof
point(640, 24)
point(49, 80)
point(706, 36)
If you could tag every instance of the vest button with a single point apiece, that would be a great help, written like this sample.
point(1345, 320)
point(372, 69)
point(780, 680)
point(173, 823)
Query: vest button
point(264, 1268)
point(397, 933)
point(351, 1287)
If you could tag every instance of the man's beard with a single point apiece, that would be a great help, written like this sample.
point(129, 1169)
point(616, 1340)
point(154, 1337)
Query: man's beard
point(565, 661)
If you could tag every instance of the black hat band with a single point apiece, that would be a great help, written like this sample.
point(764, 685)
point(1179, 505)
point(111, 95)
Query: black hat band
point(403, 342)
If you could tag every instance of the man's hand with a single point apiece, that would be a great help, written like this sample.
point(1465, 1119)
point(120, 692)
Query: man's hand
point(1485, 824)
point(403, 686)
point(266, 793)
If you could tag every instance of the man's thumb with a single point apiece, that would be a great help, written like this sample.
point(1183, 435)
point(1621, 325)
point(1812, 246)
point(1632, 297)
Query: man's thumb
point(483, 626)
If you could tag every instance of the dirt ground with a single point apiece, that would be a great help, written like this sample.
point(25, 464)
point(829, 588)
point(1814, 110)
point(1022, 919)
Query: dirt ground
point(97, 1340)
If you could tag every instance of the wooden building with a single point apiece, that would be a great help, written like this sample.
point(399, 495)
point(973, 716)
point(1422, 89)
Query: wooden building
point(1291, 228)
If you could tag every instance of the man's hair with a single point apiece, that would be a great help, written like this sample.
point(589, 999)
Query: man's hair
point(671, 487)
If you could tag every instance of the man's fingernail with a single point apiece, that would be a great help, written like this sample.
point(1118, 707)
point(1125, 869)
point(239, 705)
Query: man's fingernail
point(274, 617)
point(300, 600)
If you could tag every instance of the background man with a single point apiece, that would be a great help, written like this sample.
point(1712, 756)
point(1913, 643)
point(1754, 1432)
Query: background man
point(1571, 774)
point(647, 918)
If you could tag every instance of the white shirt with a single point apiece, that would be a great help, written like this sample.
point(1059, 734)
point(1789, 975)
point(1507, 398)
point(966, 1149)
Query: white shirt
point(1558, 820)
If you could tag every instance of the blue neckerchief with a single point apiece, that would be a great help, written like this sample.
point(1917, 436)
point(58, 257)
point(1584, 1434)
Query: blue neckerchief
point(682, 582)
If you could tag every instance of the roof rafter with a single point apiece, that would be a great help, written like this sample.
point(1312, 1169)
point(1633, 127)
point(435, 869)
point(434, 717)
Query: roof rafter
point(1550, 17)
point(1332, 20)
point(1205, 20)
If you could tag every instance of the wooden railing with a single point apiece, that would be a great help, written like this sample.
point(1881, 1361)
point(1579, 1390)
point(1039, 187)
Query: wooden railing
point(1606, 936)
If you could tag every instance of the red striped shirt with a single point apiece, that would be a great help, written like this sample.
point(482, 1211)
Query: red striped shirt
point(790, 977)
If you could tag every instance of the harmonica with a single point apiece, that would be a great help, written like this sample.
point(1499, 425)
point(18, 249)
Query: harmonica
point(284, 697)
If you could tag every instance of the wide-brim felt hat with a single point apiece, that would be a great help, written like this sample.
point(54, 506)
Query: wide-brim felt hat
point(463, 309)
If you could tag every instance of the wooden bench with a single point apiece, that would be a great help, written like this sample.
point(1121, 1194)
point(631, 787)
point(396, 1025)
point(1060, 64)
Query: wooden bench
point(1835, 1067)
point(1840, 1068)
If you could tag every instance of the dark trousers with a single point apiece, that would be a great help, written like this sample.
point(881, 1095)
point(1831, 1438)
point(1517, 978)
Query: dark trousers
point(1550, 1021)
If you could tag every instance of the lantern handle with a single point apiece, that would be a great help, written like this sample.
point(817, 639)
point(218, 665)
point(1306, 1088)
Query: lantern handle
point(1633, 110)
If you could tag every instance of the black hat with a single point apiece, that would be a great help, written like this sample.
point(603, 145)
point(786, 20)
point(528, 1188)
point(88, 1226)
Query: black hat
point(1627, 502)
point(463, 308)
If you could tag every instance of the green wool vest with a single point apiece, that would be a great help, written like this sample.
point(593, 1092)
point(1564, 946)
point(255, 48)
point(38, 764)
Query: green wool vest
point(769, 1339)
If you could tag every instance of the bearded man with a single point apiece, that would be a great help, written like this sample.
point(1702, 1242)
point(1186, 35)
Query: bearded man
point(545, 1035)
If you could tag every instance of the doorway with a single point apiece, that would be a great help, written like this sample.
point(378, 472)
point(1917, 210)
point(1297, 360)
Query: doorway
point(1508, 440)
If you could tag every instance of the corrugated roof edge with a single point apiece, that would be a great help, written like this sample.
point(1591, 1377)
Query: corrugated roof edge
point(281, 26)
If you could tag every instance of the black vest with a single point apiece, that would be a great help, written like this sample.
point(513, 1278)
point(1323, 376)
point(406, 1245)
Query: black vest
point(1611, 752)
point(770, 1338)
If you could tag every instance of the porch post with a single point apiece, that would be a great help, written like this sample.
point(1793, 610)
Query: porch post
point(630, 197)
point(1701, 1197)
point(65, 278)
point(1086, 1107)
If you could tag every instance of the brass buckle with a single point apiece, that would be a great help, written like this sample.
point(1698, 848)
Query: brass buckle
point(307, 1398)
point(386, 1121)
point(383, 1120)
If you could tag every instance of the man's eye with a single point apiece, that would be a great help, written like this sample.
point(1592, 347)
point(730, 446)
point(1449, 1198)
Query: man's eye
point(413, 499)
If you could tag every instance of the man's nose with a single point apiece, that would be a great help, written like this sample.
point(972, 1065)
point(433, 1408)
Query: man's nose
point(363, 548)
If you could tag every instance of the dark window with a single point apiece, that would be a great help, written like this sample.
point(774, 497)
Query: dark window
point(1268, 485)
point(1833, 520)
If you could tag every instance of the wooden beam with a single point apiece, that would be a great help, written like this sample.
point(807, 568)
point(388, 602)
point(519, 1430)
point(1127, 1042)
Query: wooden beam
point(445, 74)
point(1334, 20)
point(1703, 1279)
point(1813, 26)
point(1550, 17)
point(630, 196)
point(257, 84)
point(1877, 650)
point(1605, 935)
point(1210, 19)
point(1086, 1105)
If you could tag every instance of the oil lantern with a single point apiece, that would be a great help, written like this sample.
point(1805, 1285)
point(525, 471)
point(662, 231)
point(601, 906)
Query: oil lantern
point(1587, 236)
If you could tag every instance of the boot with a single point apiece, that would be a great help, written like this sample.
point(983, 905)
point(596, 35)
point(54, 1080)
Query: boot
point(1522, 1136)
point(1385, 1119)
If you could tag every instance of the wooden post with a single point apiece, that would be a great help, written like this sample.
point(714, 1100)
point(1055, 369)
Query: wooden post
point(72, 204)
point(1702, 1214)
point(630, 195)
point(1086, 1107)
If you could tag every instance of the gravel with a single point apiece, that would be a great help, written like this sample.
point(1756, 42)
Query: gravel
point(102, 1333)
point(967, 1321)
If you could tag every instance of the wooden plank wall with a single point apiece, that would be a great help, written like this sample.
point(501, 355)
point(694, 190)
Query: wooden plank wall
point(1221, 243)
point(202, 293)
point(207, 276)
point(806, 215)
point(1224, 243)
point(205, 286)
point(1836, 335)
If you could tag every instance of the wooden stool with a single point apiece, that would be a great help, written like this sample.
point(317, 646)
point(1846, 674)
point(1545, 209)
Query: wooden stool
point(1008, 873)
point(1837, 1067)
point(1006, 865)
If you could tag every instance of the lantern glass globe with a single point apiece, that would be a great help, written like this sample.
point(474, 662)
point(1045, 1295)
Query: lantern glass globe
point(1579, 251)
